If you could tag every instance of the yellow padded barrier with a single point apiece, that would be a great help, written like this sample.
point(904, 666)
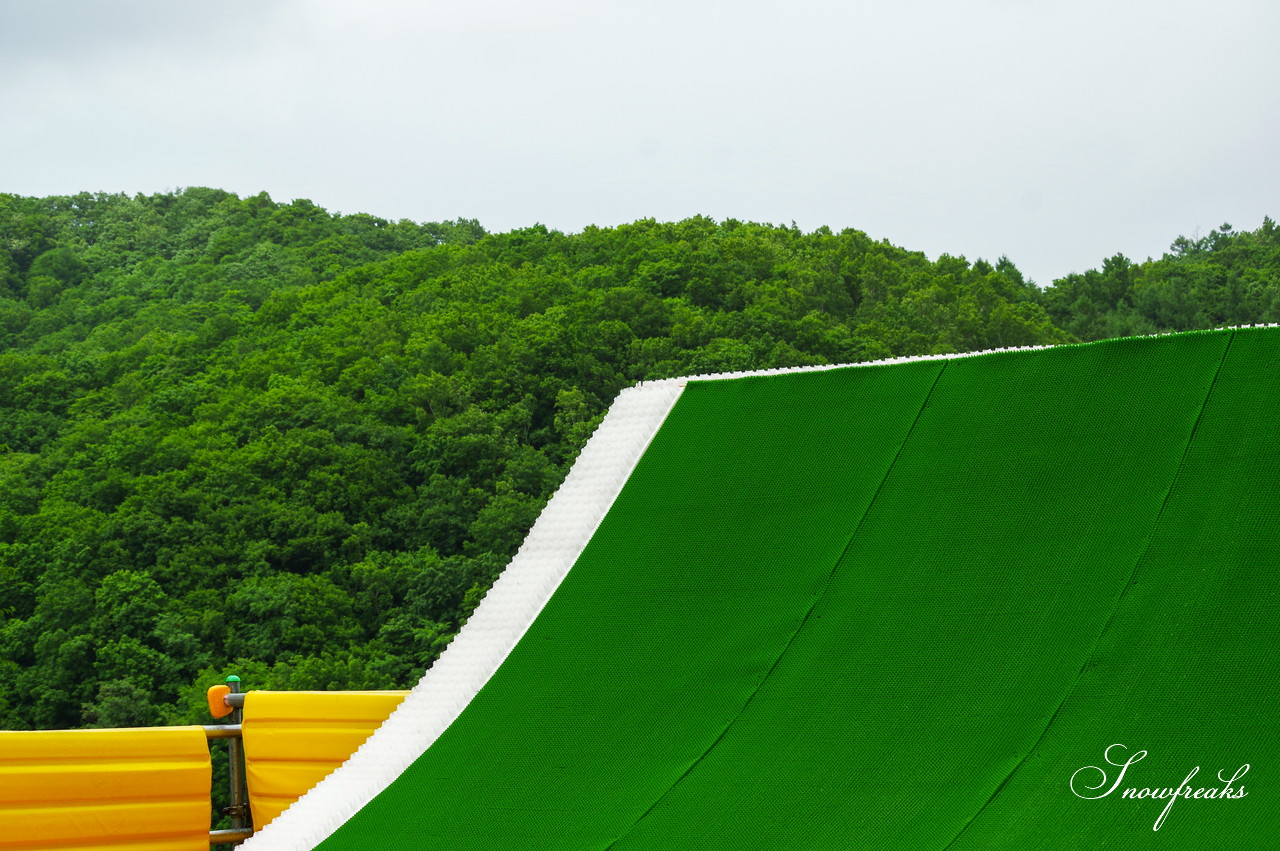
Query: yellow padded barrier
point(144, 789)
point(293, 740)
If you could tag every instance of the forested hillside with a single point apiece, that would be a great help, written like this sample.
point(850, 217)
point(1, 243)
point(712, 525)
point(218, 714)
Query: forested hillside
point(252, 437)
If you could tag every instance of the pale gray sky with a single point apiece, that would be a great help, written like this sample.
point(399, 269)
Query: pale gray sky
point(1057, 133)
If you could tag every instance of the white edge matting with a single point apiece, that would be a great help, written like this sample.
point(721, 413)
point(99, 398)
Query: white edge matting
point(497, 625)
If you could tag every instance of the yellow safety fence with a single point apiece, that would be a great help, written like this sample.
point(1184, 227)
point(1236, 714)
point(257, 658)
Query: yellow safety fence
point(144, 789)
point(294, 739)
point(148, 789)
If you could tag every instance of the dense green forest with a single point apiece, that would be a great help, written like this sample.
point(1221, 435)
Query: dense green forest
point(244, 436)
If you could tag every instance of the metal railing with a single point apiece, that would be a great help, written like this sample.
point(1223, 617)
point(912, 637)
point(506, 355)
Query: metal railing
point(241, 819)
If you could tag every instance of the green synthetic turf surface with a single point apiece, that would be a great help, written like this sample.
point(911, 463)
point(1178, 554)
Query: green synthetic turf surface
point(897, 607)
point(1187, 668)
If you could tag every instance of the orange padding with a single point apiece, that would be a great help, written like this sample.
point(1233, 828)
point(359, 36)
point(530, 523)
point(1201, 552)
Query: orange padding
point(144, 789)
point(294, 739)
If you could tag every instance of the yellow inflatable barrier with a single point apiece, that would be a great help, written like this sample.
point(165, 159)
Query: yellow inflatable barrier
point(144, 789)
point(293, 740)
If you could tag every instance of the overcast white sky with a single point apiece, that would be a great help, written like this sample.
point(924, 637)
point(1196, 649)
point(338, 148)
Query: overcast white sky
point(1055, 132)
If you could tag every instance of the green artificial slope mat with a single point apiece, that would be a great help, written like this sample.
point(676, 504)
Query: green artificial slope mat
point(903, 606)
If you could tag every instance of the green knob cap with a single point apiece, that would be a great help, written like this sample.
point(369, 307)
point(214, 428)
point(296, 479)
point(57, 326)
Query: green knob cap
point(233, 679)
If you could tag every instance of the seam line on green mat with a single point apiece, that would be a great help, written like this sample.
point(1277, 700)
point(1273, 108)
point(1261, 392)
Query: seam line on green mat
point(1106, 627)
point(803, 621)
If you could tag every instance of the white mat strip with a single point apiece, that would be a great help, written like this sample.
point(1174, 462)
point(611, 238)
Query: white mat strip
point(516, 598)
